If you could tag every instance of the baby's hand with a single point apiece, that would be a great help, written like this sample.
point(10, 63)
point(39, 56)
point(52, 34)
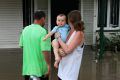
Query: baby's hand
point(44, 39)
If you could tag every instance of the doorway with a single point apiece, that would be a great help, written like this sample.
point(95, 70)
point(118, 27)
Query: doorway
point(62, 6)
point(28, 10)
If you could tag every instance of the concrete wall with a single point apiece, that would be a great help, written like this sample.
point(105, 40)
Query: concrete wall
point(87, 11)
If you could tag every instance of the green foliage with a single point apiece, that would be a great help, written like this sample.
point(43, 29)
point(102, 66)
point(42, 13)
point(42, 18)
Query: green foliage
point(112, 43)
point(115, 40)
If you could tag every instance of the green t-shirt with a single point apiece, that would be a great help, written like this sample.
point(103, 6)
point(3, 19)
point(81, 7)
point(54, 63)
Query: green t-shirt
point(32, 42)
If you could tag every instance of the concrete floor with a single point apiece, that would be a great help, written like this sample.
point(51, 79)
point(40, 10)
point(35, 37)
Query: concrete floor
point(10, 64)
point(106, 69)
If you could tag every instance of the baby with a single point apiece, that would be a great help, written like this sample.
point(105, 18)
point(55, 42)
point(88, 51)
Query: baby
point(63, 29)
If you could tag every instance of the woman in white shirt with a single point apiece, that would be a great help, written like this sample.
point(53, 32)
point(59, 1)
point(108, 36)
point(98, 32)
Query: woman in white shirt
point(69, 65)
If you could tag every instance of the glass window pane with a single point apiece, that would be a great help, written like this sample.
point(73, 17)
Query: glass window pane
point(102, 13)
point(114, 13)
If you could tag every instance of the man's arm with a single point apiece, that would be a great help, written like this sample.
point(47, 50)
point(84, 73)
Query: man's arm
point(47, 59)
point(21, 41)
point(46, 48)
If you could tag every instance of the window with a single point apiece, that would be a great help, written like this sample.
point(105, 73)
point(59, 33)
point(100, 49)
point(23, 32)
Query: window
point(108, 14)
point(114, 13)
point(102, 13)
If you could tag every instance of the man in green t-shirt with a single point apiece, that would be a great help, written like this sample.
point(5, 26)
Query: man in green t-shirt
point(35, 51)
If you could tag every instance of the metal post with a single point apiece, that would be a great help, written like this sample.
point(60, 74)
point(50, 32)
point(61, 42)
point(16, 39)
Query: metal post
point(102, 42)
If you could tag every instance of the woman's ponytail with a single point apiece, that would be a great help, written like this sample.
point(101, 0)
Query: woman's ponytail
point(79, 25)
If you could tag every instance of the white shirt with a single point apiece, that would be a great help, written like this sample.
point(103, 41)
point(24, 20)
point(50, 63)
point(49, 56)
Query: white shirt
point(69, 65)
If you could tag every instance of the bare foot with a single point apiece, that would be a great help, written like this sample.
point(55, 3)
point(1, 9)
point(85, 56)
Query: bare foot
point(56, 64)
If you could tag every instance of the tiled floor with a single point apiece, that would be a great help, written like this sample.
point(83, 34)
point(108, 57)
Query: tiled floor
point(106, 69)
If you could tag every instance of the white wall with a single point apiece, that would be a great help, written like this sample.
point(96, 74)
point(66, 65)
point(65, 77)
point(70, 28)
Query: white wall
point(87, 11)
point(11, 23)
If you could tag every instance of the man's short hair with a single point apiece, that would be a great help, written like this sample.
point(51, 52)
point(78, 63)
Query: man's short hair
point(39, 14)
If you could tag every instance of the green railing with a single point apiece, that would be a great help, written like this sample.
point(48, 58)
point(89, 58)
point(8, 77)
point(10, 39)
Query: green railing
point(103, 41)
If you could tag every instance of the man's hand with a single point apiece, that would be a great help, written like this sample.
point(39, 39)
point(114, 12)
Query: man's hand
point(49, 71)
point(47, 57)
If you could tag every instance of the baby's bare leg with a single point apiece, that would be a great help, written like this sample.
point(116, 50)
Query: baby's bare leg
point(55, 46)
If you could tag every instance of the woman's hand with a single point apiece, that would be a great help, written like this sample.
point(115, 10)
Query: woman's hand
point(61, 52)
point(57, 35)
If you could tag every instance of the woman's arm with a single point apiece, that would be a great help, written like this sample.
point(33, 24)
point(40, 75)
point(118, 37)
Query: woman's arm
point(73, 44)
